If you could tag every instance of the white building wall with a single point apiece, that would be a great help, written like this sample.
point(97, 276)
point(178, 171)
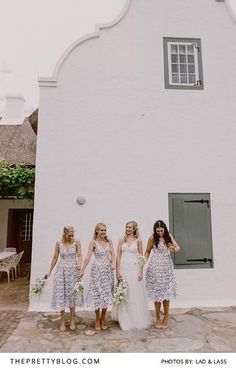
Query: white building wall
point(112, 133)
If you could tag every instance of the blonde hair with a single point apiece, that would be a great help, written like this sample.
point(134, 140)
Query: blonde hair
point(98, 227)
point(66, 230)
point(135, 227)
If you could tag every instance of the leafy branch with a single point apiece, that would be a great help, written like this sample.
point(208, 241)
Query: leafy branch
point(16, 180)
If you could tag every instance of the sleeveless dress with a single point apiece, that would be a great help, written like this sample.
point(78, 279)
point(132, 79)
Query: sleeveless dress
point(160, 278)
point(135, 314)
point(65, 278)
point(101, 282)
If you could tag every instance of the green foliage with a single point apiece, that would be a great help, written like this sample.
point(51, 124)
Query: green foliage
point(16, 180)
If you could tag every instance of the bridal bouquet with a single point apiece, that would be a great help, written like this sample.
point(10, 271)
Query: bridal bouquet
point(38, 287)
point(79, 288)
point(121, 293)
point(141, 260)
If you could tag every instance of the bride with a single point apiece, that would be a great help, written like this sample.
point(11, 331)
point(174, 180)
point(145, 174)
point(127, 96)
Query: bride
point(134, 314)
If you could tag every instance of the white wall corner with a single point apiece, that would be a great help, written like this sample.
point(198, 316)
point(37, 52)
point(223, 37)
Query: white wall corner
point(14, 110)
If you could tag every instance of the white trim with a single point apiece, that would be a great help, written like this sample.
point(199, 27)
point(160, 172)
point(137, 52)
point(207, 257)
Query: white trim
point(230, 9)
point(52, 81)
point(169, 43)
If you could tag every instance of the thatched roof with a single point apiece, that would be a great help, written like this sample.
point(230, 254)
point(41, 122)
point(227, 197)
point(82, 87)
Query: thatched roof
point(33, 120)
point(18, 143)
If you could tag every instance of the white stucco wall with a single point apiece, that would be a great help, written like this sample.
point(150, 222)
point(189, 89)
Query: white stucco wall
point(5, 205)
point(112, 133)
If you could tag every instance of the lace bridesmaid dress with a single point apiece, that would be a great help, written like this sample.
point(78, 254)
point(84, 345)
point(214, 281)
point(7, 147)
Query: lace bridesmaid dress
point(65, 278)
point(160, 278)
point(135, 314)
point(101, 283)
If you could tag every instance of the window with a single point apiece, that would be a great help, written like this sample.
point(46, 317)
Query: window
point(190, 224)
point(182, 63)
point(27, 226)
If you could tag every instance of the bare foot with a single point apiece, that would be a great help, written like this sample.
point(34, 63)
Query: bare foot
point(62, 326)
point(97, 325)
point(72, 325)
point(164, 324)
point(158, 324)
point(103, 325)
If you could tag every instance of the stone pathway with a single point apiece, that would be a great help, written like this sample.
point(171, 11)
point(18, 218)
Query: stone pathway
point(191, 330)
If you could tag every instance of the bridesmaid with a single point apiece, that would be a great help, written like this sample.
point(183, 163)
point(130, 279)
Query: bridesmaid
point(101, 283)
point(160, 278)
point(66, 276)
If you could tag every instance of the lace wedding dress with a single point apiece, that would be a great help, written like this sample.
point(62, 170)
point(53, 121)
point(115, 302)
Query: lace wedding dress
point(135, 314)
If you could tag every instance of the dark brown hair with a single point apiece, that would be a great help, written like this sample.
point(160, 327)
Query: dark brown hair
point(166, 236)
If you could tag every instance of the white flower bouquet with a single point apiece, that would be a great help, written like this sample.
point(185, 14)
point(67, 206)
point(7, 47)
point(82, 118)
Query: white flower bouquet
point(141, 260)
point(121, 293)
point(38, 287)
point(79, 288)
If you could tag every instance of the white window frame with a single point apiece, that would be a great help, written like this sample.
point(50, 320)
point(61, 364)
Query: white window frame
point(195, 54)
point(169, 83)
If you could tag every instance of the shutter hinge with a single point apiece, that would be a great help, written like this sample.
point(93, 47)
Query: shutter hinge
point(205, 260)
point(196, 47)
point(198, 201)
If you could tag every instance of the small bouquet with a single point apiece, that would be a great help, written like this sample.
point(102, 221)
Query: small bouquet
point(141, 260)
point(79, 288)
point(38, 287)
point(121, 293)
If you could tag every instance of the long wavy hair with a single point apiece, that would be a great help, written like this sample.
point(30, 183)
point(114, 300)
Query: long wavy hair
point(166, 236)
point(66, 230)
point(135, 227)
point(97, 228)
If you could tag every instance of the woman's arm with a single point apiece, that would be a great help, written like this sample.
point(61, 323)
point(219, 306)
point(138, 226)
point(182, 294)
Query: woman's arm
point(113, 258)
point(54, 259)
point(174, 247)
point(140, 251)
point(79, 254)
point(118, 257)
point(150, 244)
point(88, 257)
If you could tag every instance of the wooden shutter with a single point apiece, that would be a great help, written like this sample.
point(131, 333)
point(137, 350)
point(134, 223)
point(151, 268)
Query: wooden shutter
point(190, 223)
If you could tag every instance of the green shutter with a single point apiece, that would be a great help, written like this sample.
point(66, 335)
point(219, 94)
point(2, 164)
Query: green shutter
point(190, 223)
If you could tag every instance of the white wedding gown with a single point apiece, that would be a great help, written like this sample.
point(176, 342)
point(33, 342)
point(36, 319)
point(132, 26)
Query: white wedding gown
point(135, 314)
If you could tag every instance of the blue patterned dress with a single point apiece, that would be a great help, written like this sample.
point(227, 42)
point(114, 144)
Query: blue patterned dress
point(160, 277)
point(101, 283)
point(65, 278)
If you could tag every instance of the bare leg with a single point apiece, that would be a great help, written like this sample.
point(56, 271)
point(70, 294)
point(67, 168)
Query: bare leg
point(97, 322)
point(62, 324)
point(72, 318)
point(103, 319)
point(165, 321)
point(158, 318)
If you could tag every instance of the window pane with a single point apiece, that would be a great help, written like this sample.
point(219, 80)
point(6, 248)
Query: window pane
point(175, 68)
point(190, 49)
point(192, 79)
point(182, 49)
point(191, 68)
point(191, 58)
point(173, 49)
point(182, 58)
point(183, 68)
point(174, 58)
point(175, 78)
point(183, 79)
